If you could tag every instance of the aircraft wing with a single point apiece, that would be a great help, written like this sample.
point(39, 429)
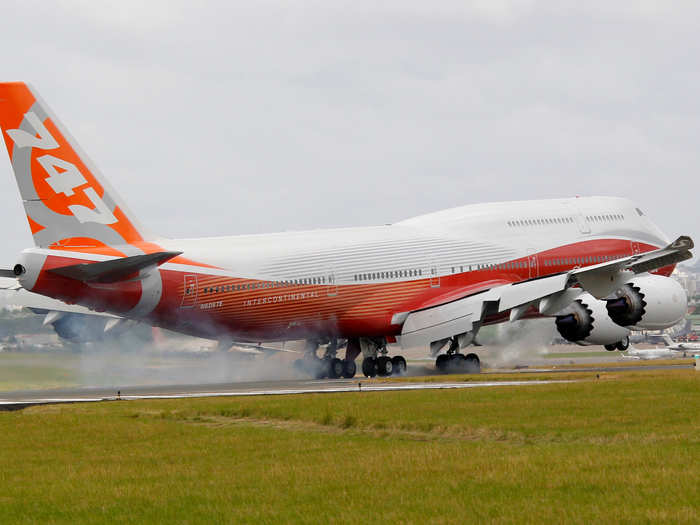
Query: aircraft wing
point(7, 283)
point(602, 279)
point(14, 294)
point(550, 295)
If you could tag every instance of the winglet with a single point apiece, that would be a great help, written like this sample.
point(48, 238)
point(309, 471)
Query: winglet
point(682, 243)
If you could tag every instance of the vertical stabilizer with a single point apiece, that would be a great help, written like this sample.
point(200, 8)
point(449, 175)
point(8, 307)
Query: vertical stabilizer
point(69, 204)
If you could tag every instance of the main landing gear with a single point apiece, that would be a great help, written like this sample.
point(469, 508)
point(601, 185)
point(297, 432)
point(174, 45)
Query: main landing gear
point(383, 366)
point(620, 345)
point(329, 366)
point(376, 362)
point(455, 362)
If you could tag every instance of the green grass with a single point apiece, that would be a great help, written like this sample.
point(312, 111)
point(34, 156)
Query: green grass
point(624, 448)
point(37, 371)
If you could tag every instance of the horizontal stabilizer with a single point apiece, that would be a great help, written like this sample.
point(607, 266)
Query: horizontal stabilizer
point(113, 270)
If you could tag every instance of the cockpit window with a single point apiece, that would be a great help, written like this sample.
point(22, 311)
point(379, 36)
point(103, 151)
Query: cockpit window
point(640, 212)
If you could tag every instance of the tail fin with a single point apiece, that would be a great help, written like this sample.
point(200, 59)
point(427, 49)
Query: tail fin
point(68, 202)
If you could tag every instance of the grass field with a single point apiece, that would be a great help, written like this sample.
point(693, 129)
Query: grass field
point(624, 448)
point(41, 370)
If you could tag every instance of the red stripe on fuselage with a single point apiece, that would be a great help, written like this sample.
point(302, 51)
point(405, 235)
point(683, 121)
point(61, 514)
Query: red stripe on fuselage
point(265, 310)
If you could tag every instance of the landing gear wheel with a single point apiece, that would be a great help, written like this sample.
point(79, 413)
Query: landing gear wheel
point(611, 347)
point(473, 364)
point(320, 368)
point(384, 365)
point(335, 368)
point(623, 345)
point(399, 365)
point(349, 369)
point(369, 366)
point(457, 363)
point(441, 362)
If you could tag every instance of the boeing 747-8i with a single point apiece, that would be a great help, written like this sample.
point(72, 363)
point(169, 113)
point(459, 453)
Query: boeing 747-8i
point(597, 266)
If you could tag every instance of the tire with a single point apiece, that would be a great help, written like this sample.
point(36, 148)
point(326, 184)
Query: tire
point(611, 347)
point(369, 366)
point(623, 345)
point(335, 368)
point(384, 366)
point(441, 362)
point(457, 363)
point(349, 369)
point(320, 368)
point(399, 365)
point(473, 364)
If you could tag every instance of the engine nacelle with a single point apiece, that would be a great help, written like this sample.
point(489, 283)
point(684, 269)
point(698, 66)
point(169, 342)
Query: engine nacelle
point(588, 323)
point(80, 328)
point(648, 302)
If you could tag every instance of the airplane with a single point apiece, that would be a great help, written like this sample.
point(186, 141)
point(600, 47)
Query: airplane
point(652, 353)
point(680, 347)
point(597, 266)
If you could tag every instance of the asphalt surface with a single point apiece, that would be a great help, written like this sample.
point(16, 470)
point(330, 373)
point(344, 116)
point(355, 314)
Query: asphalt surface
point(18, 399)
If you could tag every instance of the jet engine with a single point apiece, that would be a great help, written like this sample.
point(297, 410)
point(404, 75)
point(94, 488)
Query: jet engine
point(80, 328)
point(648, 302)
point(587, 322)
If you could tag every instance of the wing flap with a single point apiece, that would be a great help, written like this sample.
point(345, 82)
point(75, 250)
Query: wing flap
point(457, 317)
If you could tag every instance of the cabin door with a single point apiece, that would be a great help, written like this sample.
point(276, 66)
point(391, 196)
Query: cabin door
point(532, 263)
point(189, 293)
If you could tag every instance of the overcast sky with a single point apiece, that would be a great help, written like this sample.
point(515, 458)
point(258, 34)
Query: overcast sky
point(231, 118)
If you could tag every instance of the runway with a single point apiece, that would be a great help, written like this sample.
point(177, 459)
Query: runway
point(18, 399)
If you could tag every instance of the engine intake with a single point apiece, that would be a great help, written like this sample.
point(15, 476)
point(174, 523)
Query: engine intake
point(648, 302)
point(577, 325)
point(587, 322)
point(628, 308)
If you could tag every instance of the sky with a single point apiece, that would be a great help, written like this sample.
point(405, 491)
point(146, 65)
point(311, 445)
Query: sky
point(226, 118)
